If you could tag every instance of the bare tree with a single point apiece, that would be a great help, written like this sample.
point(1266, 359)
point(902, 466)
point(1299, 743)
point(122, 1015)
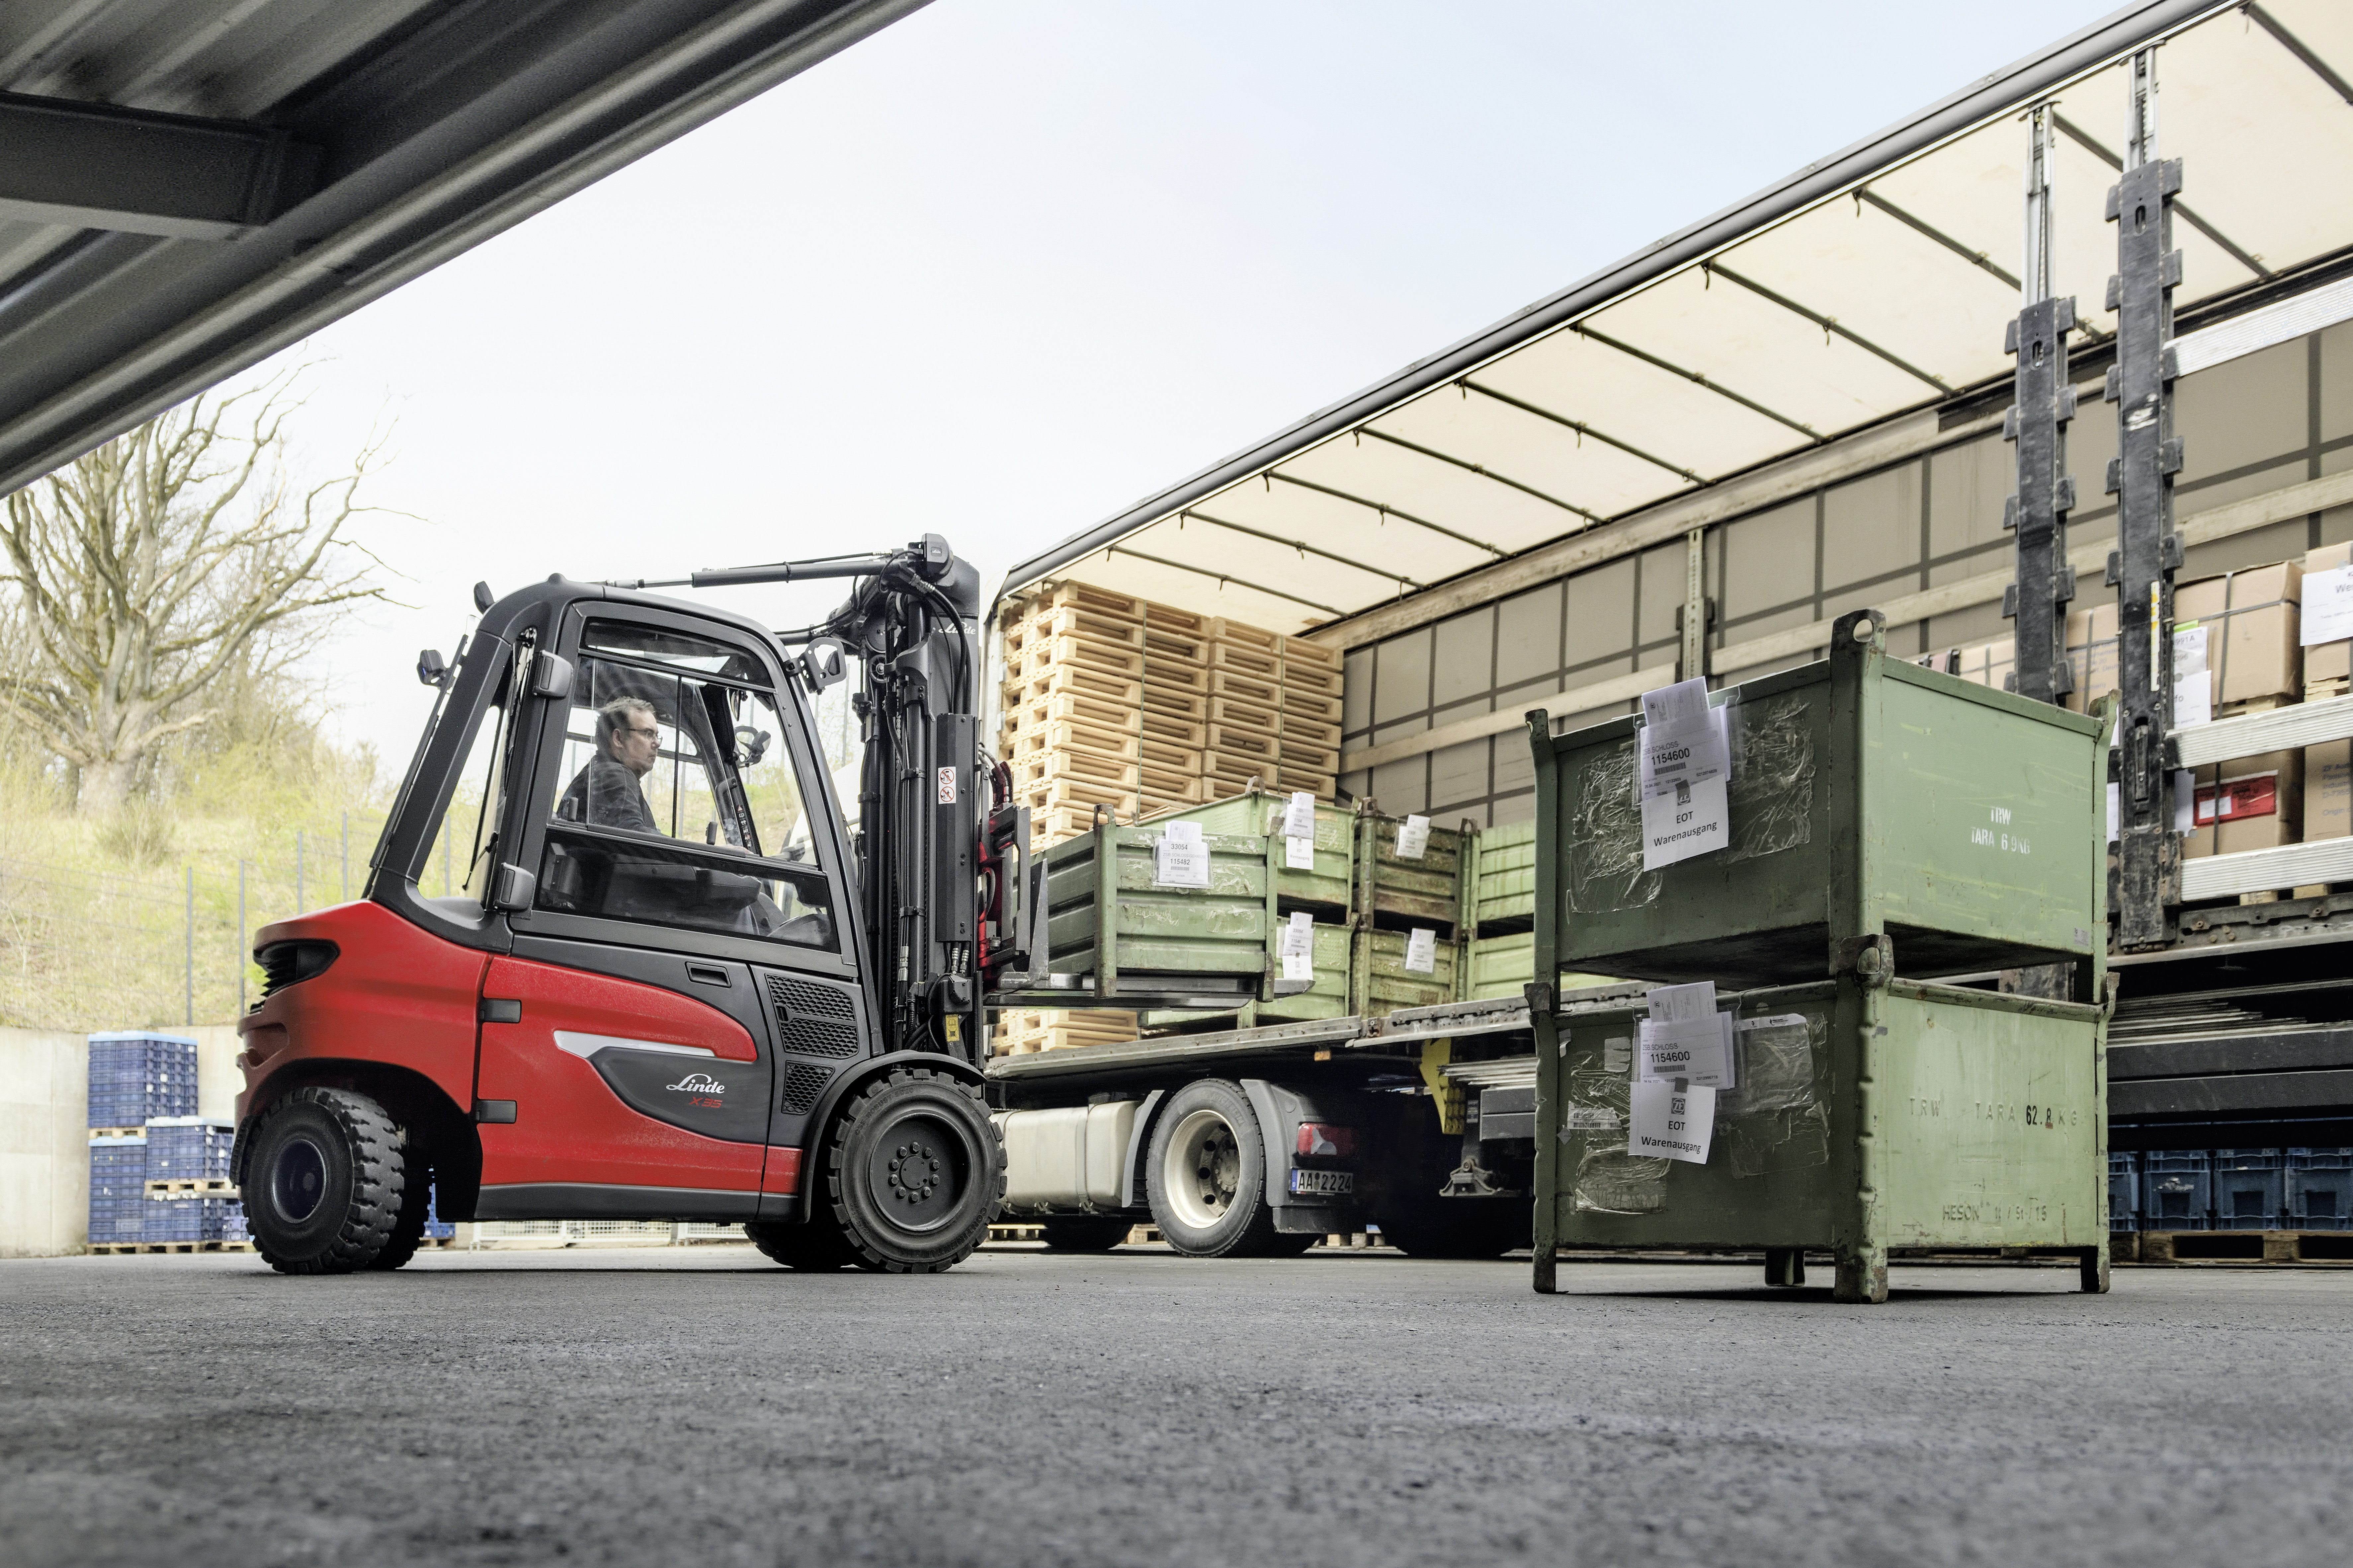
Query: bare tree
point(151, 567)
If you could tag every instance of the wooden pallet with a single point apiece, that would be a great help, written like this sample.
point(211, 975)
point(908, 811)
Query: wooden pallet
point(2328, 690)
point(118, 1131)
point(193, 1187)
point(1262, 692)
point(1002, 1235)
point(2305, 1248)
point(1106, 685)
point(125, 1249)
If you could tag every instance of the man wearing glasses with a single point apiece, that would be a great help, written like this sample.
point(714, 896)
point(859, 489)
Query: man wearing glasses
point(605, 793)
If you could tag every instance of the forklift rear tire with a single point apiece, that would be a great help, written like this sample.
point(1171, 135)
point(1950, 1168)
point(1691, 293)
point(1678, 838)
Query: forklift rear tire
point(1205, 1175)
point(324, 1185)
point(915, 1171)
point(1084, 1233)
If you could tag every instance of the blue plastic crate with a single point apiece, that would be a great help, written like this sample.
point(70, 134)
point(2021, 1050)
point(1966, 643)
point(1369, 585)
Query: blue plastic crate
point(2320, 1197)
point(436, 1227)
point(2250, 1189)
point(140, 1074)
point(181, 1147)
point(118, 1183)
point(2123, 1191)
point(2177, 1189)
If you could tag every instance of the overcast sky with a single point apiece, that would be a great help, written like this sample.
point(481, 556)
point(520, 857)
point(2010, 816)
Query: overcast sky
point(1012, 265)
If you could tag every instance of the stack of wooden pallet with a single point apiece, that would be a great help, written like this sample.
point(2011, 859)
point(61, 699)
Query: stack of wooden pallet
point(1022, 1030)
point(1113, 701)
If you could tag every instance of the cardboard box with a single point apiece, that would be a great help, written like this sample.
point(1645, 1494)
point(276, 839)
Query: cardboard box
point(2329, 790)
point(2092, 655)
point(2255, 803)
point(1988, 664)
point(2329, 662)
point(2252, 620)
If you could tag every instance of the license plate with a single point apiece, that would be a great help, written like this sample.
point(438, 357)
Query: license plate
point(1325, 1181)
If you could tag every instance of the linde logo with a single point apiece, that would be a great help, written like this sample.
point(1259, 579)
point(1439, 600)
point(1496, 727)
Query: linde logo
point(698, 1083)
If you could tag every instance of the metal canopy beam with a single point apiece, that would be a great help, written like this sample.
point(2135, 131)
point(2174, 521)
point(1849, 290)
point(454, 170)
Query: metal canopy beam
point(436, 134)
point(1696, 379)
point(1582, 429)
point(91, 166)
point(1481, 469)
point(1385, 511)
point(1828, 325)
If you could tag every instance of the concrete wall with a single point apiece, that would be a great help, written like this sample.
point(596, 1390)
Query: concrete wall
point(43, 1131)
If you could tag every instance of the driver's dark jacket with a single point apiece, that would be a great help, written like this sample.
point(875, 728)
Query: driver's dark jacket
point(604, 793)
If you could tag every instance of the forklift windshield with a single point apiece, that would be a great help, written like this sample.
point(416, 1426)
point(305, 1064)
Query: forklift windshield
point(674, 799)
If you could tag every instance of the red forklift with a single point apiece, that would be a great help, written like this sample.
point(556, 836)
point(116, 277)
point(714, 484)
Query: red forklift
point(673, 985)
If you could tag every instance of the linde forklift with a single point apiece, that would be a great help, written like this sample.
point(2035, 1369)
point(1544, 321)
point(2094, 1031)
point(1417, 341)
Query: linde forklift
point(673, 983)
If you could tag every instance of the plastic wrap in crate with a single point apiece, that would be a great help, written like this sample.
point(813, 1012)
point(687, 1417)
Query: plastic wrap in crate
point(2123, 1190)
point(2177, 1189)
point(118, 1189)
point(2250, 1189)
point(2320, 1189)
point(181, 1147)
point(136, 1075)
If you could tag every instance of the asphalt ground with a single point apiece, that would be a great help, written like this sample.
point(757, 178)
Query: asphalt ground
point(699, 1406)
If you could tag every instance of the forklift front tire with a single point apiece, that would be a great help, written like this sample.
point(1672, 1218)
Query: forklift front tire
point(324, 1185)
point(914, 1171)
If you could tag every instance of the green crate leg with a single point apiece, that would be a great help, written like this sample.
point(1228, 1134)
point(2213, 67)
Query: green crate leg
point(1862, 1274)
point(2095, 1270)
point(1785, 1266)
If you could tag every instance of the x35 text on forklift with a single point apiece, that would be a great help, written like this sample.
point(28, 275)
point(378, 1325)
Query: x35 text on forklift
point(673, 985)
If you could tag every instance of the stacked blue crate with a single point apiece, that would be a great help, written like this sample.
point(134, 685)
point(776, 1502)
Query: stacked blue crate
point(436, 1227)
point(2177, 1189)
point(118, 1189)
point(140, 1074)
point(2123, 1191)
point(233, 1222)
point(187, 1219)
point(2250, 1189)
point(184, 1148)
point(2320, 1189)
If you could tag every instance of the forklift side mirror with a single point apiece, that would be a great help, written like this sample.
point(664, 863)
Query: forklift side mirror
point(825, 662)
point(430, 669)
point(551, 676)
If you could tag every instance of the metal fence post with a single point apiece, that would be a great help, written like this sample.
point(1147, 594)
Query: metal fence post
point(189, 931)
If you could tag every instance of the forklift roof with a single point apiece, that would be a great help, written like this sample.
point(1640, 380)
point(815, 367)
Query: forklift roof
point(1874, 284)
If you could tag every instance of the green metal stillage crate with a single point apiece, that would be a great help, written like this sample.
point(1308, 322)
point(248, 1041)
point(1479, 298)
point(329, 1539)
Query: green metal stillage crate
point(1966, 825)
point(1260, 814)
point(1165, 942)
point(1883, 818)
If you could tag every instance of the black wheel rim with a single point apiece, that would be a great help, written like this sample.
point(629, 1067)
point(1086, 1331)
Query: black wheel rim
point(919, 1171)
point(297, 1183)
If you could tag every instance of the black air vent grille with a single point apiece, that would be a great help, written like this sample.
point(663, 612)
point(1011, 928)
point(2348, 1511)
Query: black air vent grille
point(803, 1084)
point(813, 1020)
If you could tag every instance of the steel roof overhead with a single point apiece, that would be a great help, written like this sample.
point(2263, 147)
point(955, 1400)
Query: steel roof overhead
point(189, 186)
point(1875, 283)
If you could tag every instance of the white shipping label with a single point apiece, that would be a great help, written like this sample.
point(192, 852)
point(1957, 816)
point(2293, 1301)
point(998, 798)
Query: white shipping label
point(1181, 859)
point(1687, 820)
point(2328, 605)
point(1681, 1004)
point(1617, 1056)
point(1299, 933)
point(1670, 1123)
point(2193, 688)
point(1699, 1049)
point(1298, 966)
point(1299, 818)
point(1682, 739)
point(1593, 1118)
point(1413, 838)
point(1299, 854)
point(1421, 952)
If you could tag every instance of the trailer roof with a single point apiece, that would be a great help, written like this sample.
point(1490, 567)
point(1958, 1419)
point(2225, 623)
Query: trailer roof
point(1873, 283)
point(190, 185)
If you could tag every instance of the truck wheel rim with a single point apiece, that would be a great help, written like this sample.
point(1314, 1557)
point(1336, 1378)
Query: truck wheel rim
point(297, 1183)
point(918, 1173)
point(1202, 1172)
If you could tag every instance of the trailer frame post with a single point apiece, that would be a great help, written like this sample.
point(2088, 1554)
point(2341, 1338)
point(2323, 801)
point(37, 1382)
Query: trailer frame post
point(2148, 552)
point(2036, 602)
point(1543, 998)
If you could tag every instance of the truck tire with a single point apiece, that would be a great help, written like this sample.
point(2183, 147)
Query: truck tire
point(408, 1225)
point(812, 1246)
point(324, 1184)
point(1205, 1174)
point(1460, 1227)
point(1084, 1233)
point(915, 1171)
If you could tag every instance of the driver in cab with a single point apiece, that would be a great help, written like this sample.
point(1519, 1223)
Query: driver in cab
point(606, 794)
